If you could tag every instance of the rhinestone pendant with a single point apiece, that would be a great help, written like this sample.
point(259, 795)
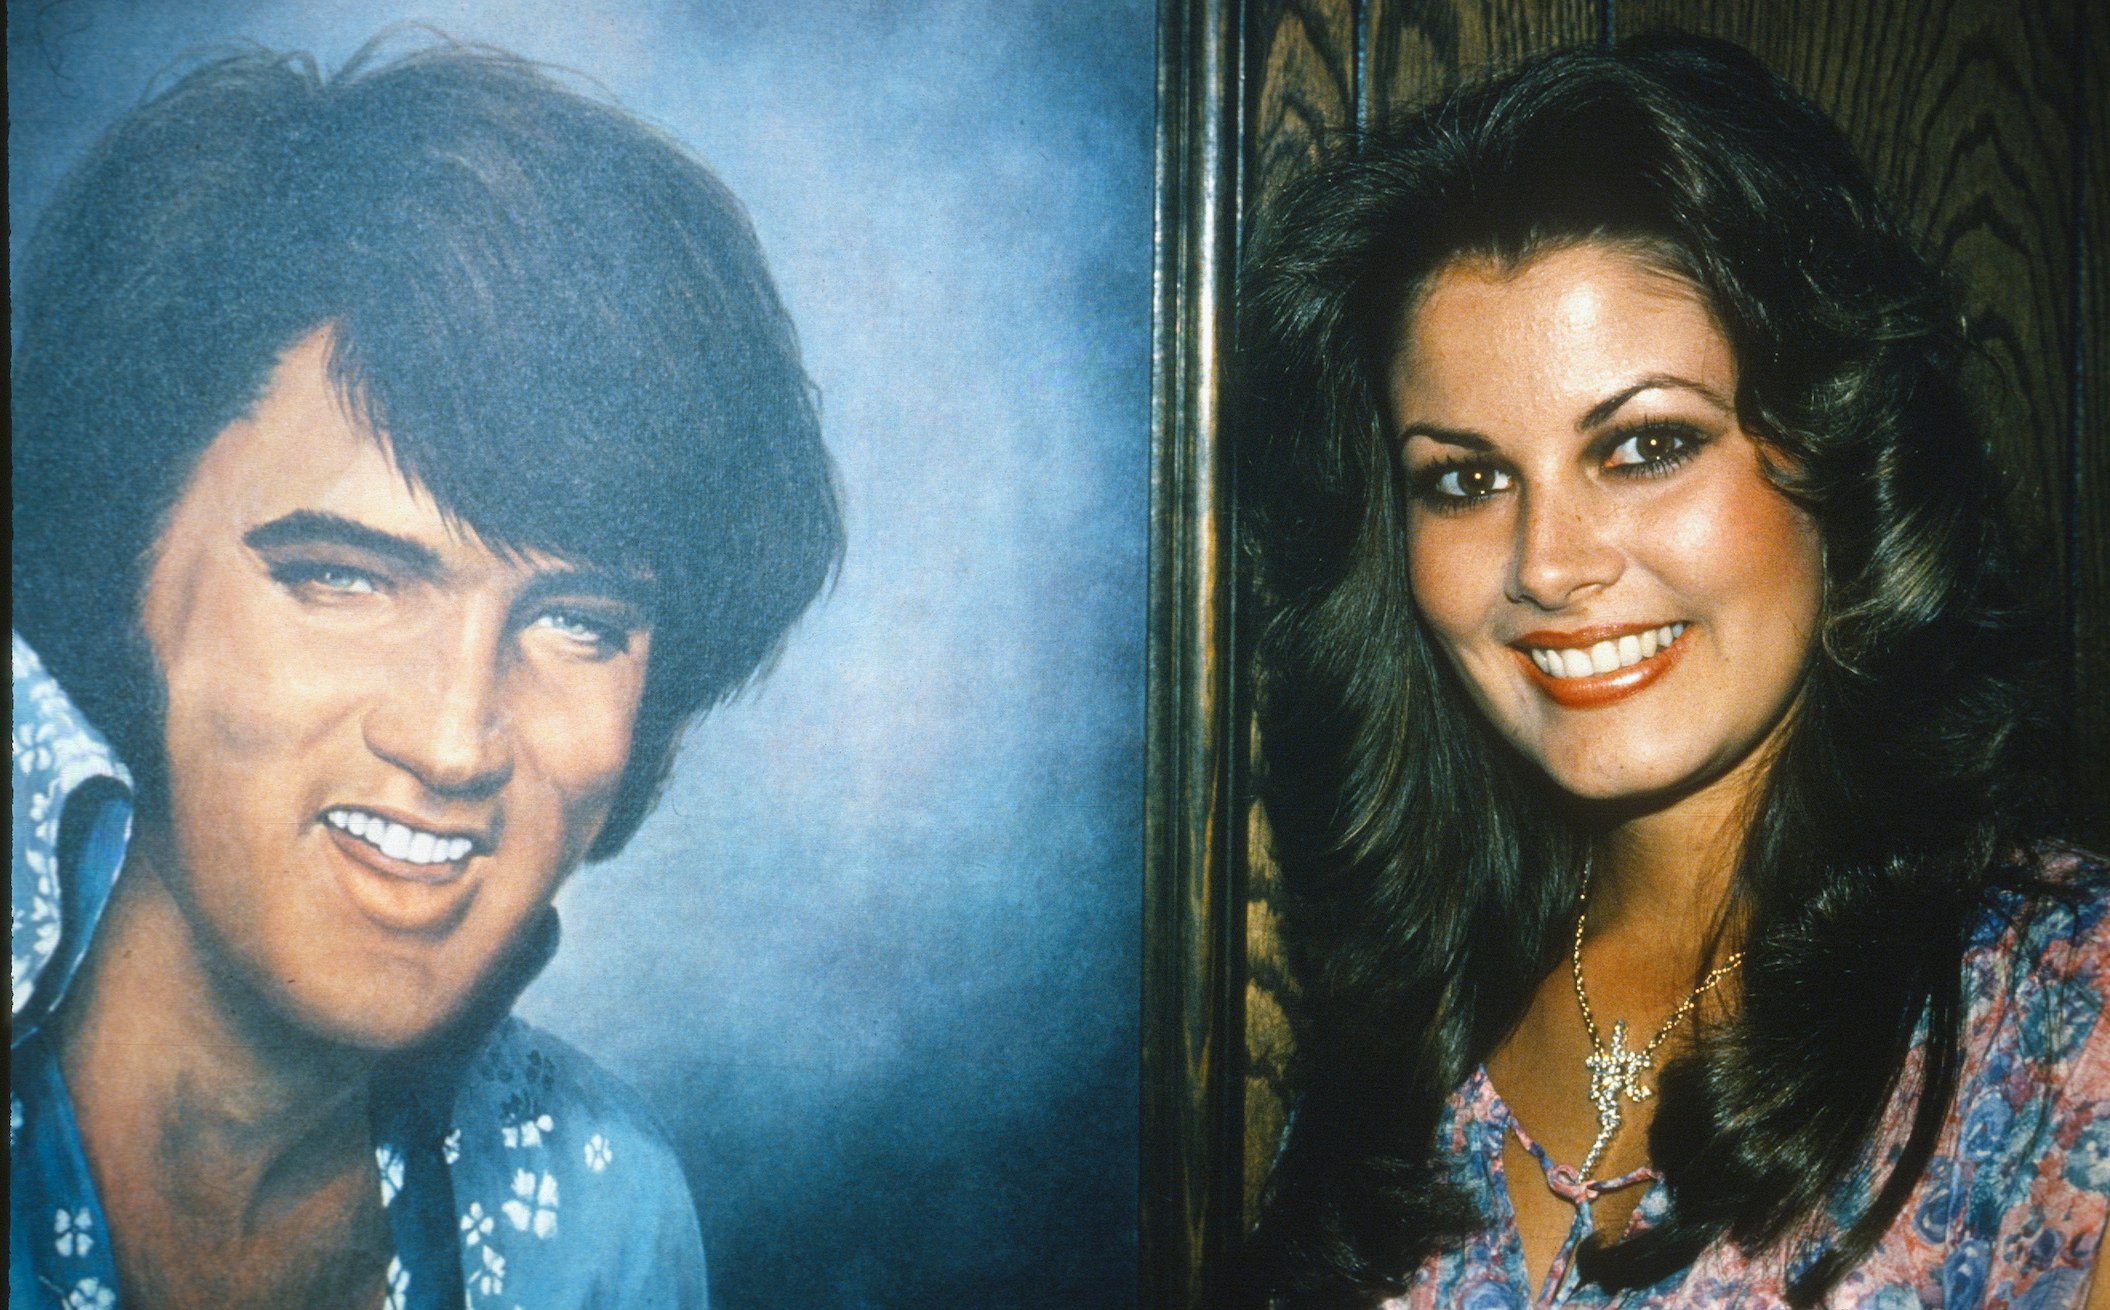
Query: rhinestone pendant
point(1615, 1073)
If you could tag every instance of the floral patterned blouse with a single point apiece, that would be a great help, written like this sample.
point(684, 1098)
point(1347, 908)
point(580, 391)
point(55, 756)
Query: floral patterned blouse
point(2012, 1205)
point(514, 1172)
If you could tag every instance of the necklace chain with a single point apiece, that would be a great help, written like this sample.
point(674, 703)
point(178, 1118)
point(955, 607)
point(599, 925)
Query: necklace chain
point(1615, 1071)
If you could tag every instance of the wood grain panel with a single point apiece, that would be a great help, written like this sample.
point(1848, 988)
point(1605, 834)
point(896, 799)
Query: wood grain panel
point(1415, 51)
point(1304, 84)
point(1304, 87)
point(1269, 991)
point(1964, 112)
point(2090, 535)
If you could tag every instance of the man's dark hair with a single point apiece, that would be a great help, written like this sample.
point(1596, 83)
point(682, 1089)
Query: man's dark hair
point(561, 322)
point(1431, 872)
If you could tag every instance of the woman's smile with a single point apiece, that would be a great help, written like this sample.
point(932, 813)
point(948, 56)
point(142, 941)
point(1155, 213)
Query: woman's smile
point(1600, 666)
point(1593, 539)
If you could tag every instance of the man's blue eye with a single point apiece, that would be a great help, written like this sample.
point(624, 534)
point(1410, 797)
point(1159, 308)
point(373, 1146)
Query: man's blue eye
point(584, 628)
point(339, 579)
point(345, 580)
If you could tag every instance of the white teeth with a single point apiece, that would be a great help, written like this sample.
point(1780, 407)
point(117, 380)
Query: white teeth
point(398, 842)
point(1605, 656)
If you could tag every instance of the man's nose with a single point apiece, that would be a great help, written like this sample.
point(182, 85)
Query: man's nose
point(1563, 549)
point(445, 719)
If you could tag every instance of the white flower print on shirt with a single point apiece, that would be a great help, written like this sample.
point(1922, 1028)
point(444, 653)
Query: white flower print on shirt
point(451, 1146)
point(390, 1162)
point(491, 1279)
point(598, 1153)
point(528, 1132)
point(398, 1293)
point(476, 1225)
point(534, 1203)
point(72, 1227)
point(90, 1294)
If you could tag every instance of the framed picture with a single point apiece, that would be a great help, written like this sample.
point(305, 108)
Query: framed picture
point(871, 962)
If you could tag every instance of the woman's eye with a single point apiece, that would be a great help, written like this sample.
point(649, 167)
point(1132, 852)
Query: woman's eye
point(1462, 484)
point(1656, 447)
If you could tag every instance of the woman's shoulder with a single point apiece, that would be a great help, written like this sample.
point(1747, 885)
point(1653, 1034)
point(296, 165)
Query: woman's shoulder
point(2046, 918)
point(2008, 1209)
point(2037, 975)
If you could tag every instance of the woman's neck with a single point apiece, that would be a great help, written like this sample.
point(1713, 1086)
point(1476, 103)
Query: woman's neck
point(1666, 874)
point(188, 1088)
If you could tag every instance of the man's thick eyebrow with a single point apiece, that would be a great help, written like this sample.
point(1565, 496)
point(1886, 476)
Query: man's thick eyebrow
point(1448, 436)
point(307, 527)
point(1604, 409)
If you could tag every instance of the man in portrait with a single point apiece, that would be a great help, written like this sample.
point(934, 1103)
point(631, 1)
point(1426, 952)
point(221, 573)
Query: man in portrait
point(401, 459)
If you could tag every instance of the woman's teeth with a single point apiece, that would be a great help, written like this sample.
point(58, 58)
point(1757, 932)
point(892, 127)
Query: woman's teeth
point(1605, 656)
point(398, 842)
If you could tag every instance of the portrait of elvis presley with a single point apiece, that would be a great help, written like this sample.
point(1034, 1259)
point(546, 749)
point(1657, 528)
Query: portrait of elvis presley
point(402, 457)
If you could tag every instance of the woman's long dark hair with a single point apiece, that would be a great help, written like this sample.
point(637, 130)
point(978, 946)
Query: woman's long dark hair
point(1430, 872)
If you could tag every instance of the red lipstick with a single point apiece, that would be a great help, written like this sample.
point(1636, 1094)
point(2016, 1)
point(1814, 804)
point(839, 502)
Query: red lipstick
point(1599, 689)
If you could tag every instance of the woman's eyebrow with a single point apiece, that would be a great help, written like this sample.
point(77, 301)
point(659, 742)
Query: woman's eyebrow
point(1466, 438)
point(307, 527)
point(1610, 405)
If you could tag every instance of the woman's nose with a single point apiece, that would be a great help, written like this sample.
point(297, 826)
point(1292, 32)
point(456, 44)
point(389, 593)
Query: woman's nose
point(1563, 549)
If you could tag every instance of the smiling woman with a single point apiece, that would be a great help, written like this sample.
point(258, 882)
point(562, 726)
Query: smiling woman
point(1579, 481)
point(1647, 707)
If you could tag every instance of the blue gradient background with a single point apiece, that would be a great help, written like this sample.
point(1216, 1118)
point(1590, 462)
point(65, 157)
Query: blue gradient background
point(874, 959)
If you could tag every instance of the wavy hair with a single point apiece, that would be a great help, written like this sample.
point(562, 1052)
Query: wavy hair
point(562, 322)
point(1431, 872)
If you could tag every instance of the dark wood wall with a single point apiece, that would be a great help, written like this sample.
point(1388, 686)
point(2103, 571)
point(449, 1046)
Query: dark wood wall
point(1986, 123)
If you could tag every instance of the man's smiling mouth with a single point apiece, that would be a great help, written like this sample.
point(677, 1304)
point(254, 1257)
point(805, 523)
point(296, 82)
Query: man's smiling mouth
point(399, 841)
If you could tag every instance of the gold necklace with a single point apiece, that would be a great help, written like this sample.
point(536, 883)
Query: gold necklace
point(1615, 1071)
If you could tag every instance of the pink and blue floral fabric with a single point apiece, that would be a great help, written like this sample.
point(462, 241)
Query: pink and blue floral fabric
point(515, 1173)
point(2010, 1211)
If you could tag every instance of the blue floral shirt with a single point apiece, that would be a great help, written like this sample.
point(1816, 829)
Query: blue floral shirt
point(2009, 1211)
point(514, 1174)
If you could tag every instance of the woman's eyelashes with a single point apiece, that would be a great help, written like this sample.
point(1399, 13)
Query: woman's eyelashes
point(1651, 449)
point(1458, 483)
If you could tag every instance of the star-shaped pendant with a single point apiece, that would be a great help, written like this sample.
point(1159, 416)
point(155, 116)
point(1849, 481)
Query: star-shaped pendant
point(1615, 1073)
